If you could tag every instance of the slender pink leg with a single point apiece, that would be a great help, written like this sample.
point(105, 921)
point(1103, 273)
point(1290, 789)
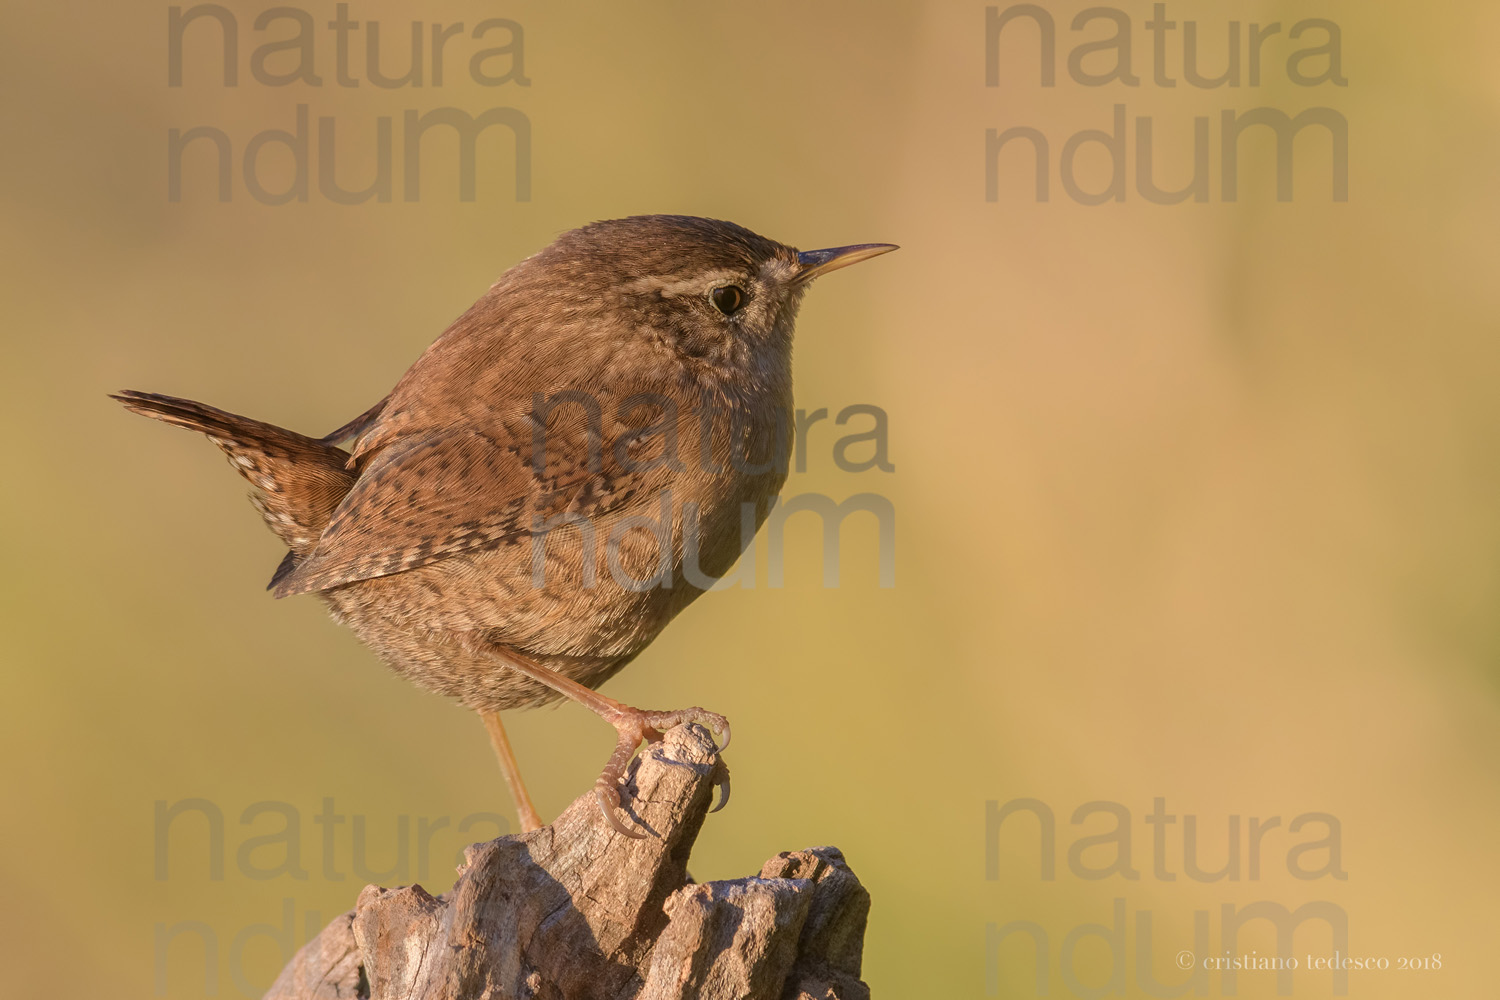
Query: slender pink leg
point(632, 724)
point(508, 767)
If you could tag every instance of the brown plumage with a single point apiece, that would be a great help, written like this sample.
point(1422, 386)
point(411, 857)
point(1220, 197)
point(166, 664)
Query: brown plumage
point(567, 467)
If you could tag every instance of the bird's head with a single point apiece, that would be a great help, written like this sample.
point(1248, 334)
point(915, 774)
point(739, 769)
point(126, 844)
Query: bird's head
point(721, 297)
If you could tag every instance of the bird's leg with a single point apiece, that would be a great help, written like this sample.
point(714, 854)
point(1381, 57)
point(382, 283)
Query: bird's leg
point(508, 767)
point(632, 724)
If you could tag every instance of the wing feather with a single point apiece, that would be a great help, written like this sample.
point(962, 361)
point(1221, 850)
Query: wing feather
point(427, 497)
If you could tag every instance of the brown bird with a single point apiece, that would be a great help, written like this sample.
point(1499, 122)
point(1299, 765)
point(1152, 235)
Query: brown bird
point(570, 464)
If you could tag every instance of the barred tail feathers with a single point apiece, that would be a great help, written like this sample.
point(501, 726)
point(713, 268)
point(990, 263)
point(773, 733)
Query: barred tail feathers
point(297, 480)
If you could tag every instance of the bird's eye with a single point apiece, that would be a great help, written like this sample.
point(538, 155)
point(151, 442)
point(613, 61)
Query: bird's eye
point(728, 299)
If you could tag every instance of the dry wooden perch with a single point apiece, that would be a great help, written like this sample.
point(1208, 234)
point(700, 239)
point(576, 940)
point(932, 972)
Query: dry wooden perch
point(575, 911)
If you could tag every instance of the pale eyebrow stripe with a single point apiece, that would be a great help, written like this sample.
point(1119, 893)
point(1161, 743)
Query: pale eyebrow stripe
point(669, 287)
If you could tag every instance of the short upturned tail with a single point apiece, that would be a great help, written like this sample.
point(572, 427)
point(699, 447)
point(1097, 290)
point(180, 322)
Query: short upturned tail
point(297, 480)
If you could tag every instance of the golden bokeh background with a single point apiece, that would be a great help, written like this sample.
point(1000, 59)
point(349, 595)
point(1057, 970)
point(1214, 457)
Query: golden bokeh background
point(1195, 502)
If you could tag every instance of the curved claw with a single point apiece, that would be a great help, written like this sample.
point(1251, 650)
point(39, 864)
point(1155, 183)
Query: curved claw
point(632, 725)
point(612, 818)
point(721, 781)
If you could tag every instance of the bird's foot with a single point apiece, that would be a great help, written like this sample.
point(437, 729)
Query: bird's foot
point(635, 725)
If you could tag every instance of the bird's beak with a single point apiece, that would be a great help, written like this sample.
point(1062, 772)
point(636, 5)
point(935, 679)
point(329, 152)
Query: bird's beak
point(816, 262)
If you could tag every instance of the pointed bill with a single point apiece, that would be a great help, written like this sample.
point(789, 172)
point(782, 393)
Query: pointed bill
point(820, 262)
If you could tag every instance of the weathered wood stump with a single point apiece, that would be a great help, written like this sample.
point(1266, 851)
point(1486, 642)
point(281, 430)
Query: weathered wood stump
point(575, 911)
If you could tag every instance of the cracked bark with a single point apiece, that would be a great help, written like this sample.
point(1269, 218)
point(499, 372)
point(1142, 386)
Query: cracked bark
point(575, 911)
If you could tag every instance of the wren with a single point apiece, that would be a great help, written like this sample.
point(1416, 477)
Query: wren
point(559, 474)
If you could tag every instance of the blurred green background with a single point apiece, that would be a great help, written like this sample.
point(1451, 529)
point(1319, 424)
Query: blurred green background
point(1197, 502)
